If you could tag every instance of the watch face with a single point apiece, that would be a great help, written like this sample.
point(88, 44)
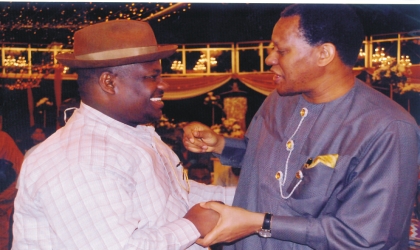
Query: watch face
point(265, 233)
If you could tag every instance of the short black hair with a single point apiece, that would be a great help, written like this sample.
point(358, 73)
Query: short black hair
point(87, 76)
point(330, 23)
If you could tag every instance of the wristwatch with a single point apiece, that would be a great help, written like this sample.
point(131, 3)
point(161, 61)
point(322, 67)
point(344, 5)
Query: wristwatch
point(265, 230)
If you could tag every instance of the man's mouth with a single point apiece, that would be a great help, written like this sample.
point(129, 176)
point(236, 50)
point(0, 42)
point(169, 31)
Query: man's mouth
point(276, 76)
point(157, 102)
point(156, 99)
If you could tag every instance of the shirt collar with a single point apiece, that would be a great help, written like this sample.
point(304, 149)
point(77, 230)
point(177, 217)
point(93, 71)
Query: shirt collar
point(111, 122)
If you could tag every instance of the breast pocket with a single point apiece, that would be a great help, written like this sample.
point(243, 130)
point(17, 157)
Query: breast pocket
point(316, 186)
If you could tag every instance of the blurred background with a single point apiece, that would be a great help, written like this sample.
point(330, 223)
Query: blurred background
point(221, 54)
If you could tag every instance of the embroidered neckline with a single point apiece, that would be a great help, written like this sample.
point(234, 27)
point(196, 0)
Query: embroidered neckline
point(290, 145)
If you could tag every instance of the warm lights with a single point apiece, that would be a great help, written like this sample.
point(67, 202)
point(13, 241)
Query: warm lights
point(201, 64)
point(177, 66)
point(19, 17)
point(362, 54)
point(406, 61)
point(65, 69)
point(10, 61)
point(21, 84)
point(379, 57)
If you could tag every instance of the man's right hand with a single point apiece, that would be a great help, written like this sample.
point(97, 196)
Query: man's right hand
point(203, 219)
point(234, 223)
point(199, 138)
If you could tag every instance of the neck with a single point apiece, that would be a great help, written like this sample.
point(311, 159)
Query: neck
point(331, 86)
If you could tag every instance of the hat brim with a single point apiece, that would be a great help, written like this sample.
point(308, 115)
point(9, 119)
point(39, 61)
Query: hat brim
point(68, 59)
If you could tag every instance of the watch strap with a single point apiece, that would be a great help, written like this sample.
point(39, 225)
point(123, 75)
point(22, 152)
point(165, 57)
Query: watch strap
point(267, 221)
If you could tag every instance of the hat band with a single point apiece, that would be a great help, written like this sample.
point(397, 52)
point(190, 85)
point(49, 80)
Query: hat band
point(118, 53)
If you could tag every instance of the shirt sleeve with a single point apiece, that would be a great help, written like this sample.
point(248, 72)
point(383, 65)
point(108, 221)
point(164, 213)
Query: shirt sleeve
point(201, 193)
point(384, 176)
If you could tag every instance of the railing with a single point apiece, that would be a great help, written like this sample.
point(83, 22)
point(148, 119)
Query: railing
point(26, 61)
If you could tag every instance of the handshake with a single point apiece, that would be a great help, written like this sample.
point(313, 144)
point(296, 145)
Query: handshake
point(204, 219)
point(217, 222)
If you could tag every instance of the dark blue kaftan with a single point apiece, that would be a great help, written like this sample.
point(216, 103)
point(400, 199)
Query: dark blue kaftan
point(365, 201)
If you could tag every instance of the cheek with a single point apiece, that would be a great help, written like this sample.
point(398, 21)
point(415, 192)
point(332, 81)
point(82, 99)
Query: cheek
point(299, 68)
point(289, 69)
point(137, 96)
point(132, 103)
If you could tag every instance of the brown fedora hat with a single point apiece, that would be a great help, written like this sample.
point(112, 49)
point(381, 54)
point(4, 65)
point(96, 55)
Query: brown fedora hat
point(114, 43)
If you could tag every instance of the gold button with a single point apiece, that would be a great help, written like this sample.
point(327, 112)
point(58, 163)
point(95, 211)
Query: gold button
point(289, 144)
point(303, 112)
point(299, 174)
point(278, 175)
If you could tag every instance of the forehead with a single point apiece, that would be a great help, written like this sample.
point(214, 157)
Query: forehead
point(285, 29)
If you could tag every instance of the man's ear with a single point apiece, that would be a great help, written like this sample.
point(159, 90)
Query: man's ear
point(106, 81)
point(327, 52)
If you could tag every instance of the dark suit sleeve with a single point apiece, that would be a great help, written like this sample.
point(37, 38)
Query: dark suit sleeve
point(233, 152)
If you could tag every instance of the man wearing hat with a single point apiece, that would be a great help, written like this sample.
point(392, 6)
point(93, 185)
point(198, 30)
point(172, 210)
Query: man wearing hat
point(106, 180)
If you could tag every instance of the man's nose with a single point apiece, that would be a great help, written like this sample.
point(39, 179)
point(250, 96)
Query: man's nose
point(271, 59)
point(163, 85)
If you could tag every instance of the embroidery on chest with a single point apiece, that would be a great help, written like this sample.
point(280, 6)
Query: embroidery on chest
point(290, 145)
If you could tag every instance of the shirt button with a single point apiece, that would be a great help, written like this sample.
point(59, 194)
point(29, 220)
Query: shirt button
point(289, 145)
point(304, 112)
point(299, 175)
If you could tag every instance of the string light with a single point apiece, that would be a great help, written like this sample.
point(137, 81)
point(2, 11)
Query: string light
point(58, 21)
point(21, 84)
point(44, 19)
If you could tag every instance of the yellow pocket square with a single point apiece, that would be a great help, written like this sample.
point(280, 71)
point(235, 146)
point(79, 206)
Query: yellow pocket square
point(327, 160)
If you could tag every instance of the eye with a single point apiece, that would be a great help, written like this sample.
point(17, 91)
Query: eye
point(152, 77)
point(281, 52)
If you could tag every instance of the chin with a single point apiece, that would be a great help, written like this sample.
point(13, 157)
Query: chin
point(149, 119)
point(283, 92)
point(156, 117)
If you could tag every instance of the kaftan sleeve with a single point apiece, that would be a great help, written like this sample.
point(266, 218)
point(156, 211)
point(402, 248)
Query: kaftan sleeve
point(233, 152)
point(373, 207)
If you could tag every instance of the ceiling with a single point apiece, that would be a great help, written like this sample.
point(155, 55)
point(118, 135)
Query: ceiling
point(47, 22)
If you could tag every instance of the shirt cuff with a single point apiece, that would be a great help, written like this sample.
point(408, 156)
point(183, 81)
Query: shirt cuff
point(290, 228)
point(184, 231)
